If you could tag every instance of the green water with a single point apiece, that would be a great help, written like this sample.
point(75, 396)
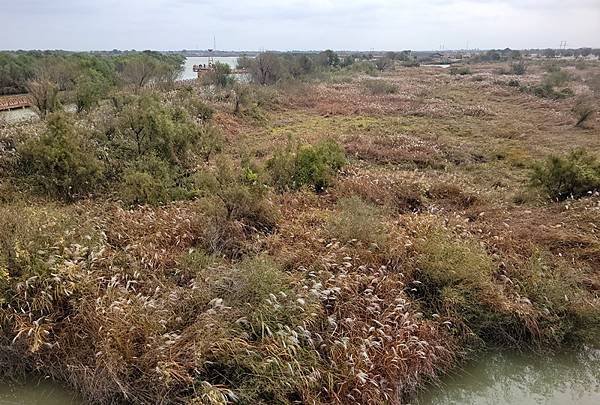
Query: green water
point(512, 378)
point(37, 392)
point(495, 379)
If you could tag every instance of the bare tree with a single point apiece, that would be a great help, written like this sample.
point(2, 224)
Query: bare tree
point(266, 68)
point(44, 96)
point(384, 63)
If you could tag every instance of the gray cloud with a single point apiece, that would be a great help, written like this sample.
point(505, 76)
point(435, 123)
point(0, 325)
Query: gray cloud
point(297, 24)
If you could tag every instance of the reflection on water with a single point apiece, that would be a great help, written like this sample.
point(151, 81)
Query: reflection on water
point(509, 378)
point(37, 393)
point(188, 67)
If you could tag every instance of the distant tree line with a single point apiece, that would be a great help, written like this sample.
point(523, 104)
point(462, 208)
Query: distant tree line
point(85, 74)
point(272, 67)
point(494, 55)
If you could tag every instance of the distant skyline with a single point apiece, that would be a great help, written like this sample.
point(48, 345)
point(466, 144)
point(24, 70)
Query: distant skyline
point(298, 24)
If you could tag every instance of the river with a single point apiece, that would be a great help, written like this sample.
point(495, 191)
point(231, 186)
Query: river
point(37, 392)
point(517, 378)
point(494, 379)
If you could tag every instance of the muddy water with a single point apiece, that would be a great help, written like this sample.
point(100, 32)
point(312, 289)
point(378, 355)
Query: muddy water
point(495, 379)
point(37, 392)
point(512, 378)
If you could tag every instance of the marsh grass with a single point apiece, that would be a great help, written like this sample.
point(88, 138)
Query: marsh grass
point(380, 87)
point(575, 175)
point(357, 221)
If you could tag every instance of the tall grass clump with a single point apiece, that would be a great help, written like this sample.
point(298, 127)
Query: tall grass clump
point(455, 276)
point(356, 220)
point(379, 87)
point(571, 176)
point(519, 68)
point(299, 165)
point(566, 311)
point(461, 70)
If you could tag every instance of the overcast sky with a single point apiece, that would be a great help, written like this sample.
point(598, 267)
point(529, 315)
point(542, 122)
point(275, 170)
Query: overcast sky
point(297, 24)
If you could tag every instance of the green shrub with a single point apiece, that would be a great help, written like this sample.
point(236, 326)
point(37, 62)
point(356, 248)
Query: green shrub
point(446, 261)
point(62, 162)
point(575, 175)
point(364, 67)
point(462, 70)
point(235, 206)
point(197, 108)
point(546, 90)
point(553, 285)
point(518, 68)
point(220, 75)
point(90, 88)
point(410, 63)
point(384, 64)
point(293, 168)
point(556, 78)
point(379, 87)
point(147, 126)
point(150, 180)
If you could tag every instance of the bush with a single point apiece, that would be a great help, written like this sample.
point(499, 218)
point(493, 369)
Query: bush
point(235, 206)
point(44, 96)
point(384, 63)
point(554, 286)
point(556, 78)
point(518, 68)
point(584, 109)
point(411, 63)
point(575, 175)
point(197, 108)
point(220, 75)
point(90, 88)
point(151, 180)
point(379, 87)
point(147, 126)
point(462, 70)
point(365, 67)
point(62, 162)
point(546, 90)
point(356, 220)
point(293, 168)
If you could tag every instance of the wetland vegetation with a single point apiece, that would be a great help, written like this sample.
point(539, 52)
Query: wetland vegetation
point(336, 230)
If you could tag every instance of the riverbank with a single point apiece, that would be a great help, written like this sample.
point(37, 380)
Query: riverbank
point(348, 238)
